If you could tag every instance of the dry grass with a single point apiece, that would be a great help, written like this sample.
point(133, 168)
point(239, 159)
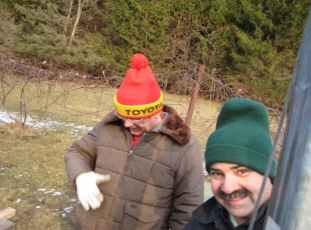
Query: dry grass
point(69, 102)
point(203, 118)
point(33, 179)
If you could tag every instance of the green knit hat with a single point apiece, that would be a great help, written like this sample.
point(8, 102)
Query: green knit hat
point(242, 136)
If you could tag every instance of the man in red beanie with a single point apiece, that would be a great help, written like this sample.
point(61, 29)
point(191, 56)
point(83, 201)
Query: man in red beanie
point(140, 167)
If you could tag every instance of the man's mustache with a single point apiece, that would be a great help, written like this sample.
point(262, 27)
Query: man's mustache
point(234, 195)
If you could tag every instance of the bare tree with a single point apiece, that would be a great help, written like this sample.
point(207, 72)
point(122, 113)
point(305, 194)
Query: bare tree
point(68, 14)
point(75, 25)
point(80, 7)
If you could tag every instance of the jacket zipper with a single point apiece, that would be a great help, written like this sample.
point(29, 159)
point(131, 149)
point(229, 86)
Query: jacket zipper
point(129, 155)
point(132, 150)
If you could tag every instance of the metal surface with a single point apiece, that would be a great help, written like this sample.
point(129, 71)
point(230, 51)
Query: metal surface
point(290, 202)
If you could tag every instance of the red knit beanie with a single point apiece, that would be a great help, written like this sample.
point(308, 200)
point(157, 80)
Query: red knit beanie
point(139, 95)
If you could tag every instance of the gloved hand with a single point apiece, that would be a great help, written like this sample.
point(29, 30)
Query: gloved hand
point(87, 189)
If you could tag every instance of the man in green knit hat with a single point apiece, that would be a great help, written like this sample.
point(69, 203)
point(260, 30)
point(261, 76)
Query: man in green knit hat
point(236, 157)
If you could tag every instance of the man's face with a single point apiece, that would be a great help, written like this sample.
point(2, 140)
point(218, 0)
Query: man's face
point(236, 188)
point(145, 125)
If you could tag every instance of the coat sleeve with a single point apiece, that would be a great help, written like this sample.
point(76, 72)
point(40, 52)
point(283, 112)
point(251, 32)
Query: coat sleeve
point(189, 186)
point(81, 156)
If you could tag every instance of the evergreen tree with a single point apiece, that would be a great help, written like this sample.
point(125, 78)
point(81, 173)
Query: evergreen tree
point(261, 56)
point(41, 35)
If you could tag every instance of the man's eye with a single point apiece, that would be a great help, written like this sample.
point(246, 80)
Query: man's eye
point(216, 175)
point(243, 171)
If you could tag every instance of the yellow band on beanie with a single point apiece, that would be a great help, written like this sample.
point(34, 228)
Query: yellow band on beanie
point(139, 111)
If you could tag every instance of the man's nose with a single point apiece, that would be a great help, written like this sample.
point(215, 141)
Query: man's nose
point(128, 123)
point(229, 184)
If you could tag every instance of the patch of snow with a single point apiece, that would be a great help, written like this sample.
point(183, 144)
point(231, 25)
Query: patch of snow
point(51, 191)
point(56, 194)
point(68, 209)
point(37, 123)
point(24, 173)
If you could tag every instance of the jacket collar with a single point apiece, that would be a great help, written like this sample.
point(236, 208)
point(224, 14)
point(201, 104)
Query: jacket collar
point(211, 210)
point(173, 125)
point(208, 212)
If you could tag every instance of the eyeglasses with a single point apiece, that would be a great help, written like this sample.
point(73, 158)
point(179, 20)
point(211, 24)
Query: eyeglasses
point(129, 119)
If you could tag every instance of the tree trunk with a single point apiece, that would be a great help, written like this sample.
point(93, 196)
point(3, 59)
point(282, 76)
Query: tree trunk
point(194, 95)
point(68, 15)
point(80, 6)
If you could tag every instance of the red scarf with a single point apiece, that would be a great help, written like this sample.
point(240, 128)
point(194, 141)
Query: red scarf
point(136, 138)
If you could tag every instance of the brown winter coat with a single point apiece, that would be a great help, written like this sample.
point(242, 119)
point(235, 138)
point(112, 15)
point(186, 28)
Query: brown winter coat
point(155, 185)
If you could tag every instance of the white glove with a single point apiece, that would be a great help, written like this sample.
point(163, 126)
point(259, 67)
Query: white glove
point(87, 189)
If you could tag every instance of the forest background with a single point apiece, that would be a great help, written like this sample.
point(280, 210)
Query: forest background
point(248, 47)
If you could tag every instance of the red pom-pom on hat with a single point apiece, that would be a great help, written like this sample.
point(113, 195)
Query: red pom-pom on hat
point(139, 61)
point(139, 95)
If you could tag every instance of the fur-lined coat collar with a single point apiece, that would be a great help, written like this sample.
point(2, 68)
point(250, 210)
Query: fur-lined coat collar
point(173, 126)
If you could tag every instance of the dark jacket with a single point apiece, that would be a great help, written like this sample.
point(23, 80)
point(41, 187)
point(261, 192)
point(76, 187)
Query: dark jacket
point(155, 185)
point(212, 216)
